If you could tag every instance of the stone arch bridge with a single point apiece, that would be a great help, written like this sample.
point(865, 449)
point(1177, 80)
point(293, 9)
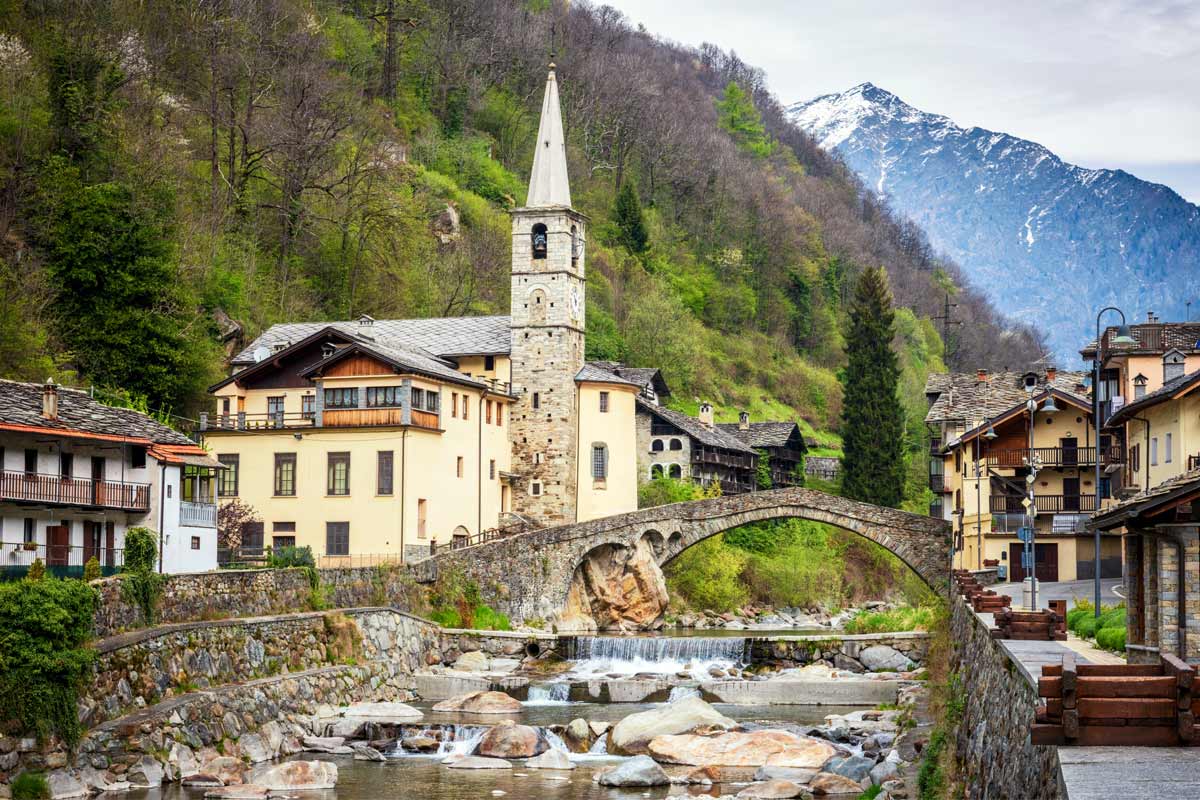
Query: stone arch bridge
point(607, 566)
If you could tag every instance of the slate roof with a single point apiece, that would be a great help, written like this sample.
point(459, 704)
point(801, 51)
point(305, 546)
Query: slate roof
point(1159, 395)
point(416, 360)
point(962, 396)
point(78, 412)
point(645, 377)
point(711, 437)
point(1153, 337)
point(594, 373)
point(441, 336)
point(762, 434)
point(1149, 500)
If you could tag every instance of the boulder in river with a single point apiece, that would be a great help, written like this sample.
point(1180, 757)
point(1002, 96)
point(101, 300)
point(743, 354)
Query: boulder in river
point(636, 771)
point(738, 749)
point(551, 759)
point(881, 658)
point(298, 776)
point(391, 712)
point(793, 774)
point(510, 740)
point(474, 661)
point(481, 703)
point(617, 588)
point(633, 734)
point(773, 790)
point(829, 783)
point(853, 767)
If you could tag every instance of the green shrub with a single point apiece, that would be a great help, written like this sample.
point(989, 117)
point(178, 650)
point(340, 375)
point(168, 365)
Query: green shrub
point(1112, 618)
point(284, 557)
point(1086, 627)
point(141, 585)
point(91, 570)
point(141, 552)
point(1111, 639)
point(30, 786)
point(931, 778)
point(44, 625)
point(707, 575)
point(37, 570)
point(488, 619)
point(446, 617)
point(870, 793)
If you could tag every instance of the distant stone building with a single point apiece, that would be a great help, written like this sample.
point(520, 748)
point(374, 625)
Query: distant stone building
point(674, 445)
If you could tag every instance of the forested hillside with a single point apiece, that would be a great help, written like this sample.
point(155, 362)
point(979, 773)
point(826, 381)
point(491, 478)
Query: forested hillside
point(166, 167)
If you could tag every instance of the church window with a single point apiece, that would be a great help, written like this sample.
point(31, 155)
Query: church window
point(540, 240)
point(576, 246)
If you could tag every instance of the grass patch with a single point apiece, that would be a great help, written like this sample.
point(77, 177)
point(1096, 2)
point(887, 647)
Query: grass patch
point(871, 793)
point(30, 786)
point(904, 618)
point(483, 618)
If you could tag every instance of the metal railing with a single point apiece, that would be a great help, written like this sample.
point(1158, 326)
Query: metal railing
point(63, 560)
point(242, 421)
point(1193, 462)
point(197, 515)
point(35, 487)
point(459, 542)
point(1045, 503)
point(1054, 456)
point(937, 483)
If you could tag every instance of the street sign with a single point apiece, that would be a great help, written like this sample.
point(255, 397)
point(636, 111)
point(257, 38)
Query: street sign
point(1026, 503)
point(1025, 535)
point(1026, 560)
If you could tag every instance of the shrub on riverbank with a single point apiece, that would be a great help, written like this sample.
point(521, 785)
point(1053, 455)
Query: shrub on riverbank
point(456, 603)
point(44, 625)
point(904, 618)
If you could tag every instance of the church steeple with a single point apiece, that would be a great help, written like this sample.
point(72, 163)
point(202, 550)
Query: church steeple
point(548, 184)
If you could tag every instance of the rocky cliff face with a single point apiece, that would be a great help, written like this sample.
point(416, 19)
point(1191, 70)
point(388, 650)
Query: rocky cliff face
point(616, 588)
point(1049, 242)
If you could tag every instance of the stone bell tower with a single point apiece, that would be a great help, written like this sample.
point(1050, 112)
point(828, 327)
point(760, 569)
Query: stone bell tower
point(547, 328)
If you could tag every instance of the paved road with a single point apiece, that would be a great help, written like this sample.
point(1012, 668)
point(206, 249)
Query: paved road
point(1065, 590)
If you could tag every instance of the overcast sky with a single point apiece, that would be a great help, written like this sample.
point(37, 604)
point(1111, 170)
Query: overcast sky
point(1102, 83)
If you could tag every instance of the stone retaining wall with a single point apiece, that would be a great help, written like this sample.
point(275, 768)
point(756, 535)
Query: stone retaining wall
point(222, 594)
point(844, 650)
point(138, 669)
point(993, 748)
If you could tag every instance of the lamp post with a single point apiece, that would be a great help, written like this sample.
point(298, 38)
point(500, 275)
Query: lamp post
point(1123, 337)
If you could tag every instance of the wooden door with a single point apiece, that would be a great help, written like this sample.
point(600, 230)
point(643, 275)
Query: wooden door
point(1070, 451)
point(110, 541)
point(58, 545)
point(1046, 557)
point(91, 540)
point(98, 498)
point(1070, 494)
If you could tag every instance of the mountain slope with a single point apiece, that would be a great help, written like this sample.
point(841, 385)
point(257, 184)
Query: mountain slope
point(1049, 242)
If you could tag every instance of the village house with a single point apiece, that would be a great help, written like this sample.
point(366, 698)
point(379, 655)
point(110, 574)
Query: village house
point(76, 474)
point(993, 437)
point(379, 438)
point(1160, 517)
point(782, 442)
point(675, 445)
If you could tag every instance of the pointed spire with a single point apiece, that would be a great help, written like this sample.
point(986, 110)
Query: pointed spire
point(548, 185)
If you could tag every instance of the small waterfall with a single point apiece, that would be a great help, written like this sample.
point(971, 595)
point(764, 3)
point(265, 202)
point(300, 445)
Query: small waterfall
point(549, 694)
point(555, 741)
point(680, 692)
point(600, 746)
point(660, 655)
point(451, 739)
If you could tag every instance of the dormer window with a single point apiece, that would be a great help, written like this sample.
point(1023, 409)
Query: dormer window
point(1139, 387)
point(540, 240)
point(328, 349)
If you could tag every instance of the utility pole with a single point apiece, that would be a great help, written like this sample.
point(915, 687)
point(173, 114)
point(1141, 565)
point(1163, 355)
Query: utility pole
point(946, 322)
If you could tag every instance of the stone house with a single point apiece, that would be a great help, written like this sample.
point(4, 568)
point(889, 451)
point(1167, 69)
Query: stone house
point(1161, 528)
point(75, 474)
point(783, 442)
point(675, 445)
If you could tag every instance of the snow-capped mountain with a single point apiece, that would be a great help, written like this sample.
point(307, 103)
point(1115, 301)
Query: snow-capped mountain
point(1050, 243)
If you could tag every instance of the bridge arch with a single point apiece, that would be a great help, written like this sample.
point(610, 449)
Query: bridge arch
point(530, 575)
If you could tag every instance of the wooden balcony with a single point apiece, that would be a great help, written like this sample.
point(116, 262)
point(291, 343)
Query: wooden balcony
point(1054, 456)
point(330, 418)
point(724, 458)
point(1045, 503)
point(197, 515)
point(38, 488)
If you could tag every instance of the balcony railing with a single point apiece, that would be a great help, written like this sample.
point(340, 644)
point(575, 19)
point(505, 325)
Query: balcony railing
point(330, 418)
point(937, 483)
point(1193, 462)
point(1054, 456)
point(1045, 503)
point(65, 561)
point(935, 446)
point(197, 515)
point(710, 455)
point(33, 487)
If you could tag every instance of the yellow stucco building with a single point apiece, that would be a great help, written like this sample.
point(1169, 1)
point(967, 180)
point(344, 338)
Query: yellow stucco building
point(375, 439)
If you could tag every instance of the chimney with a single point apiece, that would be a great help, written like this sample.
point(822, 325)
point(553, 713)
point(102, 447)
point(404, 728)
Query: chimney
point(981, 375)
point(1150, 317)
point(50, 400)
point(366, 326)
point(705, 415)
point(1051, 374)
point(744, 421)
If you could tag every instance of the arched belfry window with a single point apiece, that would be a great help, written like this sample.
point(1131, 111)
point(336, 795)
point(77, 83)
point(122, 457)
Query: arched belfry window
point(576, 246)
point(540, 240)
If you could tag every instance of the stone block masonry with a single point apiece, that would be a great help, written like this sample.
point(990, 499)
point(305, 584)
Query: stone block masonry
point(224, 594)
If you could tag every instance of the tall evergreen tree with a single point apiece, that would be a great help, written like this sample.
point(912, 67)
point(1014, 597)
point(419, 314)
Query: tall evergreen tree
point(872, 418)
point(627, 214)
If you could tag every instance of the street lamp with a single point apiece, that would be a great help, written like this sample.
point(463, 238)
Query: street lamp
point(1124, 337)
